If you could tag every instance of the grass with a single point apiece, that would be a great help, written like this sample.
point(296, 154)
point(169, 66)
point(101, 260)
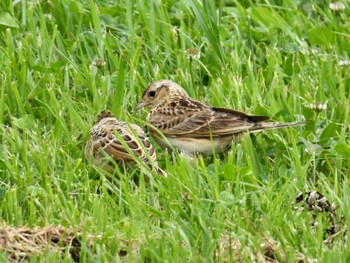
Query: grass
point(63, 61)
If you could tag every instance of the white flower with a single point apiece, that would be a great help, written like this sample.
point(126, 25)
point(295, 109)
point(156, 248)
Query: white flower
point(193, 53)
point(345, 62)
point(318, 106)
point(337, 6)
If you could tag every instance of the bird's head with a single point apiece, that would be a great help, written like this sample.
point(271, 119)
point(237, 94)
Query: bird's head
point(158, 92)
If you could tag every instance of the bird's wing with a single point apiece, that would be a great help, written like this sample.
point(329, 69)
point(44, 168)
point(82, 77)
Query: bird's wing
point(195, 119)
point(104, 138)
point(146, 144)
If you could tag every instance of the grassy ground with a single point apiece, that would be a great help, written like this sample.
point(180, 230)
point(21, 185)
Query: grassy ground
point(62, 61)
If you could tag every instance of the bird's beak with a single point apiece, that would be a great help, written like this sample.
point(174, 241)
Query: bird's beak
point(141, 105)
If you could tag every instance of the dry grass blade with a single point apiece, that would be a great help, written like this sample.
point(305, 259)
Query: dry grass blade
point(21, 243)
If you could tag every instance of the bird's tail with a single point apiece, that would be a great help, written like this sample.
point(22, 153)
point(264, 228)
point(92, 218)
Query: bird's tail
point(274, 125)
point(155, 168)
point(160, 172)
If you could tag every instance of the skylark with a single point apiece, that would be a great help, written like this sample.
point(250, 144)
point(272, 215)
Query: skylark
point(192, 126)
point(121, 141)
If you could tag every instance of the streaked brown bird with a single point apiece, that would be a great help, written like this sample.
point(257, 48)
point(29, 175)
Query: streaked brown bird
point(192, 126)
point(121, 141)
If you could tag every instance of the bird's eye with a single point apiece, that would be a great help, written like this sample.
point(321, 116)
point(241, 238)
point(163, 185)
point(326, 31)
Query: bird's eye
point(151, 93)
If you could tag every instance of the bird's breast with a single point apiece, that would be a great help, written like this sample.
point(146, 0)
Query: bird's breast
point(193, 145)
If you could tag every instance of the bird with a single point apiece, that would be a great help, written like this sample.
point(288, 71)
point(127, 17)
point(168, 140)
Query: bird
point(190, 126)
point(123, 142)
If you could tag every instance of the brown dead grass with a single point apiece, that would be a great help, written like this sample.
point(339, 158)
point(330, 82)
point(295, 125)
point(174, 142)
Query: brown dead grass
point(20, 243)
point(230, 249)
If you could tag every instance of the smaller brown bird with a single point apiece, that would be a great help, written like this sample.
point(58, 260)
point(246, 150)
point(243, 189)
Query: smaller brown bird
point(192, 126)
point(121, 141)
